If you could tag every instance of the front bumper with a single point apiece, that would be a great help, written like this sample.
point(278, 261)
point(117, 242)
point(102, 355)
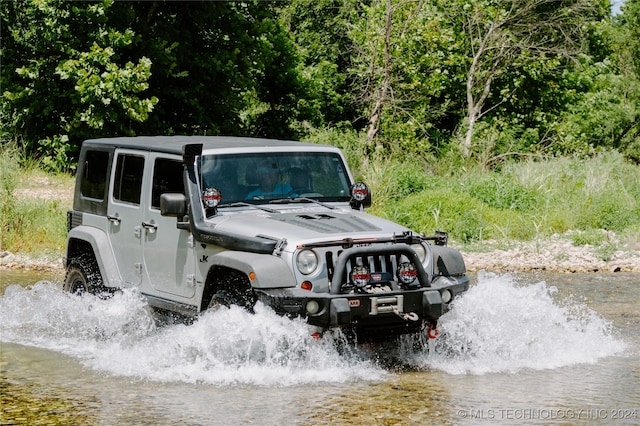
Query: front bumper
point(396, 312)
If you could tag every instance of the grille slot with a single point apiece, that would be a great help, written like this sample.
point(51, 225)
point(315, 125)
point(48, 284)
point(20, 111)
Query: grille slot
point(381, 263)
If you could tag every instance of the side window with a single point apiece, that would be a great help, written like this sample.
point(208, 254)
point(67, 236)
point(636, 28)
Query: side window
point(94, 176)
point(167, 177)
point(127, 185)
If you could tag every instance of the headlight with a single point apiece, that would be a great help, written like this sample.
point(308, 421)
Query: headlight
point(420, 251)
point(446, 296)
point(306, 261)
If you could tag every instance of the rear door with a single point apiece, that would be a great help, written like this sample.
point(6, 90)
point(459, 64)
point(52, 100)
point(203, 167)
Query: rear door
point(168, 251)
point(124, 213)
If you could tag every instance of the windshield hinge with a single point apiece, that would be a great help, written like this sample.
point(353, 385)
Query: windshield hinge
point(280, 245)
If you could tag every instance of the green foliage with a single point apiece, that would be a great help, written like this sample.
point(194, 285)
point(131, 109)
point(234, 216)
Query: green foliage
point(54, 154)
point(425, 59)
point(34, 226)
point(525, 200)
point(60, 86)
point(501, 192)
point(73, 70)
point(602, 116)
point(592, 237)
point(319, 30)
point(606, 248)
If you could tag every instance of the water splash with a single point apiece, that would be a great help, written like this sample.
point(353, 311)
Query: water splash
point(497, 326)
point(223, 347)
point(501, 326)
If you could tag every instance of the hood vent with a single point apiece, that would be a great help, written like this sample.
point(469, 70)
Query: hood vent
point(327, 223)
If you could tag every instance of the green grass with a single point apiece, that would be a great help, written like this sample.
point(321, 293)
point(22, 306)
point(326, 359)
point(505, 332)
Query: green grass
point(524, 201)
point(32, 209)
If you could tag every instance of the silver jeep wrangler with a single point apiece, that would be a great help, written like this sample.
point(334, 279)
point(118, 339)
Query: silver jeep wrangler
point(195, 222)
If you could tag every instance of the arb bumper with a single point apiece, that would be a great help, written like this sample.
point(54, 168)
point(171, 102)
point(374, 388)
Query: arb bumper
point(396, 312)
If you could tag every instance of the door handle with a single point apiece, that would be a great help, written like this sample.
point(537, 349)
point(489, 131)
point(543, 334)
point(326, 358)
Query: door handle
point(151, 227)
point(114, 219)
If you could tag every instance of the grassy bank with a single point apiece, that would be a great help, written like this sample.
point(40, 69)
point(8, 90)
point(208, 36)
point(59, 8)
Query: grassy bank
point(524, 201)
point(33, 206)
point(597, 199)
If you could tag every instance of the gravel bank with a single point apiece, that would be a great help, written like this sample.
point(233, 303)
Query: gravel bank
point(555, 254)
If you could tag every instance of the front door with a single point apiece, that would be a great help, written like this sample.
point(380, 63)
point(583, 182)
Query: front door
point(168, 251)
point(124, 213)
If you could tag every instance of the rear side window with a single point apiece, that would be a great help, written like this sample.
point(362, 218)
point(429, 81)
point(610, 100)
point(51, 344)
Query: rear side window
point(94, 177)
point(127, 185)
point(167, 178)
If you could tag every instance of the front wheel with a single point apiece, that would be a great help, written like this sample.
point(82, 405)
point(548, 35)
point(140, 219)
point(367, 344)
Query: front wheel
point(83, 276)
point(233, 288)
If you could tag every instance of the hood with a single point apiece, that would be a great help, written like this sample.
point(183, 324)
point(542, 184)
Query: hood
point(306, 224)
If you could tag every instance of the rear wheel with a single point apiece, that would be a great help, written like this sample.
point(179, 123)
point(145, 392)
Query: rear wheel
point(83, 276)
point(233, 288)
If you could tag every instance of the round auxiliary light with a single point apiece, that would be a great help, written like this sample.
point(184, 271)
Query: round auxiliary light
point(306, 261)
point(407, 272)
point(211, 197)
point(312, 307)
point(359, 191)
point(360, 276)
point(446, 296)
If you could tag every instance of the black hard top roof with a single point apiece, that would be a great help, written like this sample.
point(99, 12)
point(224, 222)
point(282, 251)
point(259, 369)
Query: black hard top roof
point(174, 144)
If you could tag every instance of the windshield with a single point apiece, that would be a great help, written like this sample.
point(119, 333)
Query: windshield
point(252, 178)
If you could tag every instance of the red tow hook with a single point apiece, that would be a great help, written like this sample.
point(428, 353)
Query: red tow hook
point(433, 330)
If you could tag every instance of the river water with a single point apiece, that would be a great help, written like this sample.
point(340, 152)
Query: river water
point(516, 349)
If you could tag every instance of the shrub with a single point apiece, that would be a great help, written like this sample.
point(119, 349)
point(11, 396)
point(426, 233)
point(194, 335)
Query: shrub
point(502, 192)
point(443, 209)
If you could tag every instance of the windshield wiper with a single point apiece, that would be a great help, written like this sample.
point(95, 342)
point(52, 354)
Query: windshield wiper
point(300, 200)
point(241, 204)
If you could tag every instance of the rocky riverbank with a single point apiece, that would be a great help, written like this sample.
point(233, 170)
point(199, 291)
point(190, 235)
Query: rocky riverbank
point(555, 254)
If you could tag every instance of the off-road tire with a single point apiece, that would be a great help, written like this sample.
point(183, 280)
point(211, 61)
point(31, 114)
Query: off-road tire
point(233, 288)
point(83, 276)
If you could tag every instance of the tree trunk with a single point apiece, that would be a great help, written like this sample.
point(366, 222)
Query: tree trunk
point(374, 119)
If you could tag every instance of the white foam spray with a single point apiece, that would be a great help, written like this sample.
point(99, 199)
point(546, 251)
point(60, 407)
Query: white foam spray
point(223, 347)
point(501, 326)
point(498, 326)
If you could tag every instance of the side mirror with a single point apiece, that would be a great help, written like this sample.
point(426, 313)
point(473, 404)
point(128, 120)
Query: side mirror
point(173, 205)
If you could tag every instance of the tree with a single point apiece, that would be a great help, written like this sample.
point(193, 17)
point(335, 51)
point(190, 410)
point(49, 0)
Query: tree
point(73, 70)
point(64, 77)
point(406, 69)
point(628, 60)
point(219, 67)
point(319, 29)
point(501, 33)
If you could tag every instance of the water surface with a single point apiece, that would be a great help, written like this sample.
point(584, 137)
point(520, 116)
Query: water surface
point(549, 348)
